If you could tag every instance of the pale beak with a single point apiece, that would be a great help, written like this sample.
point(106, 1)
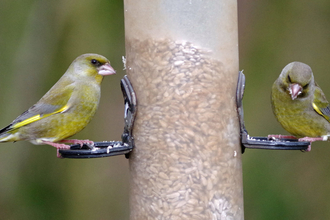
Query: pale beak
point(294, 90)
point(106, 69)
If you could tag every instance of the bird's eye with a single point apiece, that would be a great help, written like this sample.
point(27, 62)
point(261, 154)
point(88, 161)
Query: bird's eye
point(289, 78)
point(94, 61)
point(305, 86)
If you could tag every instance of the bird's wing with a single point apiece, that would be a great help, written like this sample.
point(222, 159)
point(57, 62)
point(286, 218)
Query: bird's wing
point(53, 102)
point(320, 103)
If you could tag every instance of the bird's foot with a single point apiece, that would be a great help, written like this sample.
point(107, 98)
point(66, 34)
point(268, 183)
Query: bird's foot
point(279, 136)
point(89, 143)
point(311, 139)
point(57, 145)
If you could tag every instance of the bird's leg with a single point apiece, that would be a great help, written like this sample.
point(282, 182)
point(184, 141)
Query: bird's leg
point(58, 146)
point(279, 136)
point(89, 143)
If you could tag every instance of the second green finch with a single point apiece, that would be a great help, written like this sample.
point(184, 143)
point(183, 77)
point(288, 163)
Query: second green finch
point(300, 105)
point(66, 108)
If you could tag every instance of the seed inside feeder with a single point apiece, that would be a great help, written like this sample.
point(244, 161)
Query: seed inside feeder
point(185, 165)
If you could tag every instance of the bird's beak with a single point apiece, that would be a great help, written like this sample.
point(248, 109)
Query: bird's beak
point(294, 90)
point(106, 69)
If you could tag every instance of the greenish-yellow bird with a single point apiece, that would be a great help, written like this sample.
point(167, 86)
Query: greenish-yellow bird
point(66, 108)
point(300, 105)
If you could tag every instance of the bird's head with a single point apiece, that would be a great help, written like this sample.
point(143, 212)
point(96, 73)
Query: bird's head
point(296, 78)
point(92, 66)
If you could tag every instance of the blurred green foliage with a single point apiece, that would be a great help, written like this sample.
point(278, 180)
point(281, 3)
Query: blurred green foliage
point(287, 184)
point(38, 41)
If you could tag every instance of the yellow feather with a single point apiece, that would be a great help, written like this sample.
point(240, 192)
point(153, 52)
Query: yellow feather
point(317, 109)
point(38, 117)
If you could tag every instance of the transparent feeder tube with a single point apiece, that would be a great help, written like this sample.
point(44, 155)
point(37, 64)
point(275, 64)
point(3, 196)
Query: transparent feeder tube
point(182, 59)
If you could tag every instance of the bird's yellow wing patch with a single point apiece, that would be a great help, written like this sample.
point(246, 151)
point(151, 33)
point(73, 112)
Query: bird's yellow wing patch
point(317, 109)
point(321, 104)
point(38, 117)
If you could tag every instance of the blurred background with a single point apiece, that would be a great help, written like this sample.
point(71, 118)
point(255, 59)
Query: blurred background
point(39, 40)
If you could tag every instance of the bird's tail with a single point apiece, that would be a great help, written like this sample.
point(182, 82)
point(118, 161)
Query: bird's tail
point(6, 136)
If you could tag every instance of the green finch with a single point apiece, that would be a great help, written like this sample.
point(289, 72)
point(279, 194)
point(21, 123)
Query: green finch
point(66, 108)
point(300, 105)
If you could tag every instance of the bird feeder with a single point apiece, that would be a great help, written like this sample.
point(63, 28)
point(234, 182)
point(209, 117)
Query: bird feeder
point(182, 60)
